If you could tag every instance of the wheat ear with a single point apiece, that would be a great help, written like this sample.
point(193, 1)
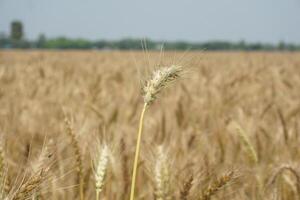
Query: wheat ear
point(40, 172)
point(44, 159)
point(217, 185)
point(187, 185)
point(78, 156)
point(280, 170)
point(159, 79)
point(28, 187)
point(162, 176)
point(101, 168)
point(246, 141)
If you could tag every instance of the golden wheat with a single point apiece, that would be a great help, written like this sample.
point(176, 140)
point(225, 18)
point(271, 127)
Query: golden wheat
point(192, 122)
point(101, 169)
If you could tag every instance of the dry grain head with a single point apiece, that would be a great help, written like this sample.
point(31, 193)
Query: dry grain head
point(101, 168)
point(159, 79)
point(162, 175)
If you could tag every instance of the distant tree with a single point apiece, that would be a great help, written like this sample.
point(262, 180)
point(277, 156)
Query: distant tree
point(16, 31)
point(41, 41)
point(102, 44)
point(4, 40)
point(2, 35)
point(281, 45)
point(241, 45)
point(65, 43)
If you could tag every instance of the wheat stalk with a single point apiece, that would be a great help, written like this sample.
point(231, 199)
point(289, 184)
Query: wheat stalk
point(78, 156)
point(187, 185)
point(159, 79)
point(280, 170)
point(40, 172)
point(44, 159)
point(246, 141)
point(217, 185)
point(2, 173)
point(101, 168)
point(162, 176)
point(29, 187)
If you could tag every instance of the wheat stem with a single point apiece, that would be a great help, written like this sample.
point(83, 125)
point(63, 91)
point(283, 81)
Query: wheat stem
point(78, 155)
point(2, 173)
point(159, 79)
point(97, 195)
point(137, 152)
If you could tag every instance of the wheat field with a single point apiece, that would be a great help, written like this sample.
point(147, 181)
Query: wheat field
point(227, 129)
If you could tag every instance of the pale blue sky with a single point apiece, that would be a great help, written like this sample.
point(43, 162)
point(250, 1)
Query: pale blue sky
point(191, 20)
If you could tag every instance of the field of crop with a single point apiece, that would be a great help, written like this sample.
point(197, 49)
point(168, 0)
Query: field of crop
point(228, 128)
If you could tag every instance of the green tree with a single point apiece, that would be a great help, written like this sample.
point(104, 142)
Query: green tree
point(16, 31)
point(4, 40)
point(281, 45)
point(41, 41)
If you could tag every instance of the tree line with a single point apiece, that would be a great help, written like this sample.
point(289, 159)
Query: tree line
point(16, 39)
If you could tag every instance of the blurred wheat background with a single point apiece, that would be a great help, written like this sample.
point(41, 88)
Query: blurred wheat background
point(203, 131)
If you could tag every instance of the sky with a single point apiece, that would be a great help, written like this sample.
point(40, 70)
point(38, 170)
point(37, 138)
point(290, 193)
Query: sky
point(268, 21)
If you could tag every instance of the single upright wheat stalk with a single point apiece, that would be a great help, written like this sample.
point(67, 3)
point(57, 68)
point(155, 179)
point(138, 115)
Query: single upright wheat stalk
point(162, 176)
point(100, 170)
point(246, 141)
point(4, 178)
point(2, 173)
point(78, 157)
point(159, 79)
